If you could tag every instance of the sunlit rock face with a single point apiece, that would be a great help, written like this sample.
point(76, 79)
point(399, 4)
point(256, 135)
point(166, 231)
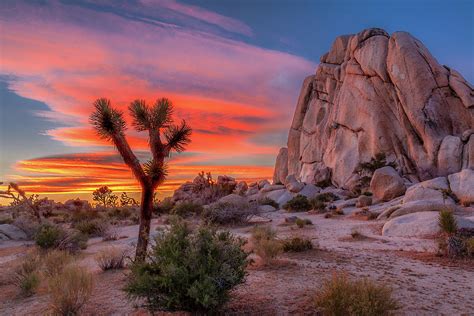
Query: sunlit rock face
point(372, 93)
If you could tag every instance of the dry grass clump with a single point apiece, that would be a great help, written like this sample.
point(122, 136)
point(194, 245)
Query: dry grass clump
point(226, 213)
point(343, 296)
point(111, 258)
point(27, 276)
point(54, 262)
point(70, 290)
point(297, 244)
point(265, 244)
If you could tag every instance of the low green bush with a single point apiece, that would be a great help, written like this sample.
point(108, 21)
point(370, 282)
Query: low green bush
point(343, 296)
point(190, 270)
point(187, 208)
point(298, 203)
point(297, 244)
point(27, 276)
point(120, 213)
point(447, 222)
point(85, 215)
point(49, 236)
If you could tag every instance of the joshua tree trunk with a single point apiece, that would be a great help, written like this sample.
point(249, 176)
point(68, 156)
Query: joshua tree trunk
point(146, 211)
point(110, 124)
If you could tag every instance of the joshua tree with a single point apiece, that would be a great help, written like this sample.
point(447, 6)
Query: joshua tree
point(164, 137)
point(21, 199)
point(105, 196)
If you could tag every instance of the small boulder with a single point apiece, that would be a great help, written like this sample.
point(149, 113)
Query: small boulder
point(285, 197)
point(450, 155)
point(272, 187)
point(310, 191)
point(363, 201)
point(295, 186)
point(386, 184)
point(281, 166)
point(431, 190)
point(421, 224)
point(233, 198)
point(262, 183)
point(241, 188)
point(275, 195)
point(266, 208)
point(462, 185)
point(11, 232)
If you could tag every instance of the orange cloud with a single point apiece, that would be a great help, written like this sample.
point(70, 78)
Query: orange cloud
point(229, 91)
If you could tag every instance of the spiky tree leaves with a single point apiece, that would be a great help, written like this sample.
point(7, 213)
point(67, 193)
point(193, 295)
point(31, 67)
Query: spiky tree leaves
point(107, 121)
point(178, 137)
point(164, 137)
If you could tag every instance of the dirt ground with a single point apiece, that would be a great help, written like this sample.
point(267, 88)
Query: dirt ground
point(423, 283)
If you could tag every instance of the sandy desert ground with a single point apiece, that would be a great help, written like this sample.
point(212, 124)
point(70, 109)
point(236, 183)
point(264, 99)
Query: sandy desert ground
point(423, 283)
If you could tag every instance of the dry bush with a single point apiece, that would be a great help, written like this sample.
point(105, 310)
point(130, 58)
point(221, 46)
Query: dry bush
point(54, 262)
point(297, 244)
point(265, 244)
point(343, 296)
point(111, 258)
point(70, 290)
point(27, 276)
point(224, 213)
point(92, 228)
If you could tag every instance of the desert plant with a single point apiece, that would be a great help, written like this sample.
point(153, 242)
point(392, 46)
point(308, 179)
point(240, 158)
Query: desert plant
point(455, 246)
point(104, 196)
point(343, 296)
point(92, 228)
point(49, 236)
point(268, 201)
point(73, 241)
point(265, 244)
point(26, 275)
point(326, 197)
point(186, 208)
point(447, 222)
point(324, 183)
point(317, 205)
point(298, 203)
point(111, 259)
point(126, 200)
point(163, 207)
point(157, 121)
point(70, 290)
point(297, 244)
point(189, 270)
point(470, 246)
point(20, 198)
point(224, 213)
point(54, 262)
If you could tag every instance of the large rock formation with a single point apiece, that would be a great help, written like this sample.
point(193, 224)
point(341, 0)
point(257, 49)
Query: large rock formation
point(375, 93)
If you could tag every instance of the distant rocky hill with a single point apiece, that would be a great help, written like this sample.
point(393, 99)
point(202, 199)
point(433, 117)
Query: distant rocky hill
point(378, 93)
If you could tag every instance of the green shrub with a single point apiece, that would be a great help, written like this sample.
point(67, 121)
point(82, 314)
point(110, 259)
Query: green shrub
point(187, 208)
point(268, 201)
point(70, 290)
point(298, 203)
point(49, 236)
point(26, 276)
point(470, 246)
point(111, 259)
point(324, 183)
point(342, 296)
point(163, 207)
point(297, 244)
point(224, 213)
point(447, 223)
point(189, 270)
point(92, 228)
point(265, 244)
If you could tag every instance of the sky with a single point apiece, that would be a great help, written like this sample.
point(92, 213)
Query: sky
point(233, 69)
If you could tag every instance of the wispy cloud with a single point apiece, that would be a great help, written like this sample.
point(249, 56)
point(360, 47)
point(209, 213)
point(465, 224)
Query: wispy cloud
point(68, 55)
